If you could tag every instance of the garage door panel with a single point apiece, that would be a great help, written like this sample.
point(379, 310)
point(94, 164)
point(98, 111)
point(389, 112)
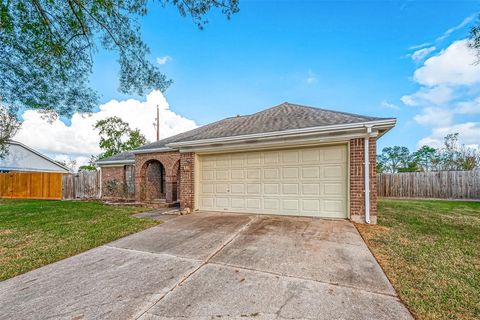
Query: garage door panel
point(309, 181)
point(207, 203)
point(310, 205)
point(254, 188)
point(310, 156)
point(332, 171)
point(290, 188)
point(254, 159)
point(309, 172)
point(254, 174)
point(333, 206)
point(271, 204)
point(222, 175)
point(237, 188)
point(221, 188)
point(253, 204)
point(222, 203)
point(237, 174)
point(333, 189)
point(238, 203)
point(271, 173)
point(311, 189)
point(290, 173)
point(290, 156)
point(291, 205)
point(271, 157)
point(208, 175)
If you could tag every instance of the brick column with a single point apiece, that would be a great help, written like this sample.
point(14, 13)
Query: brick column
point(357, 180)
point(187, 177)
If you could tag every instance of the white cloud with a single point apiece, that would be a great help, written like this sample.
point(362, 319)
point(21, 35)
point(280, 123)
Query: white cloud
point(419, 46)
point(459, 26)
point(421, 54)
point(389, 105)
point(452, 66)
point(469, 135)
point(163, 60)
point(79, 140)
point(311, 77)
point(438, 95)
point(468, 107)
point(434, 117)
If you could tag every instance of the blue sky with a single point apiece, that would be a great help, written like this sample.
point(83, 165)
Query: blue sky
point(352, 56)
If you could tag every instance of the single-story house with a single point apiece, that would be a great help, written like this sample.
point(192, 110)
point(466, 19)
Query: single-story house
point(21, 158)
point(285, 160)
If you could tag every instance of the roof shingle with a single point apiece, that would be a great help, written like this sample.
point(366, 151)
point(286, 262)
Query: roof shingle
point(286, 116)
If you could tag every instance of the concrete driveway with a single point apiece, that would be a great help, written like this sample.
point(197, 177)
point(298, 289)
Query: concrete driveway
point(213, 266)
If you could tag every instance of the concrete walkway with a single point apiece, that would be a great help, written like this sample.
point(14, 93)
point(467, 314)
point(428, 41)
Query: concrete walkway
point(213, 266)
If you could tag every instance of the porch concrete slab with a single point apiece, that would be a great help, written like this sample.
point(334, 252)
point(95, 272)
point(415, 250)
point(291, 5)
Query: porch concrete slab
point(103, 283)
point(194, 236)
point(225, 292)
point(331, 251)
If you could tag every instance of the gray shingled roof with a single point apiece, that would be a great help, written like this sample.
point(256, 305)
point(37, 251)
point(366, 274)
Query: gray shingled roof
point(285, 116)
point(122, 156)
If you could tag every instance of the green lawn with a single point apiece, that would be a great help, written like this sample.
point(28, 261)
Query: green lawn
point(34, 233)
point(430, 250)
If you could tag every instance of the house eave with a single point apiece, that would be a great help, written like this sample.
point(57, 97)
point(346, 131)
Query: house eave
point(114, 163)
point(156, 150)
point(316, 133)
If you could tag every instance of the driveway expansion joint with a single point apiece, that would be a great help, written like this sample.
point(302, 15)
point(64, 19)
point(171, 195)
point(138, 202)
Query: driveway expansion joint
point(185, 278)
point(304, 279)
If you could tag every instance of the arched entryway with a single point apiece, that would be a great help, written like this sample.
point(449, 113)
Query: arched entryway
point(153, 181)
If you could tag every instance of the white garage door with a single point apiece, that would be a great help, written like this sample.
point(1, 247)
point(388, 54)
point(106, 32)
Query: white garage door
point(304, 182)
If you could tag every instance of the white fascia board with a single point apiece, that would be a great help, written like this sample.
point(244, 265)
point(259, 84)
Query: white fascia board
point(380, 124)
point(164, 149)
point(305, 141)
point(114, 163)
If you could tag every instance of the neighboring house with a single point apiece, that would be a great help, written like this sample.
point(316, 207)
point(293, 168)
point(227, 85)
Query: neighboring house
point(21, 158)
point(289, 159)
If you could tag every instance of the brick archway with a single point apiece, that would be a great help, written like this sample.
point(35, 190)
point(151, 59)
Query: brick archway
point(153, 182)
point(169, 162)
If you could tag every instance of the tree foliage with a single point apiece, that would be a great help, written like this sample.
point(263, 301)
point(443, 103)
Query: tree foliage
point(117, 136)
point(9, 126)
point(47, 49)
point(453, 156)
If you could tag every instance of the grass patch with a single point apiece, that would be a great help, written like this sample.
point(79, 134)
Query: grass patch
point(34, 233)
point(430, 250)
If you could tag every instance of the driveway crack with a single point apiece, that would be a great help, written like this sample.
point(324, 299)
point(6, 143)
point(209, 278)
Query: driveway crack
point(203, 263)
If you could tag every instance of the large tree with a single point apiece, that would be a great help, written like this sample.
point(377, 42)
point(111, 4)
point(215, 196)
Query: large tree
point(117, 136)
point(47, 49)
point(9, 126)
point(394, 159)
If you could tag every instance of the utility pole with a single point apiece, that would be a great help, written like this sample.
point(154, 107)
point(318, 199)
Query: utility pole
point(158, 123)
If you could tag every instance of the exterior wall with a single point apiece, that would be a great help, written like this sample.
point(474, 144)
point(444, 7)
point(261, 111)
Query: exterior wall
point(169, 160)
point(187, 180)
point(20, 158)
point(357, 182)
point(113, 184)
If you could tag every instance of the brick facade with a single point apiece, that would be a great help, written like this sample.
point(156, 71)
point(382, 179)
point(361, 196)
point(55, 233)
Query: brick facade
point(187, 180)
point(169, 161)
point(357, 182)
point(114, 185)
point(179, 176)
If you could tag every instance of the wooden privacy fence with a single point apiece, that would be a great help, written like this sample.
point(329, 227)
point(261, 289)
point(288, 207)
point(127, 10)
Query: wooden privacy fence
point(31, 185)
point(441, 184)
point(82, 185)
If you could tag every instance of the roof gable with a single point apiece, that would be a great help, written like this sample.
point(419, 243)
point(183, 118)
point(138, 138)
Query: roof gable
point(286, 116)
